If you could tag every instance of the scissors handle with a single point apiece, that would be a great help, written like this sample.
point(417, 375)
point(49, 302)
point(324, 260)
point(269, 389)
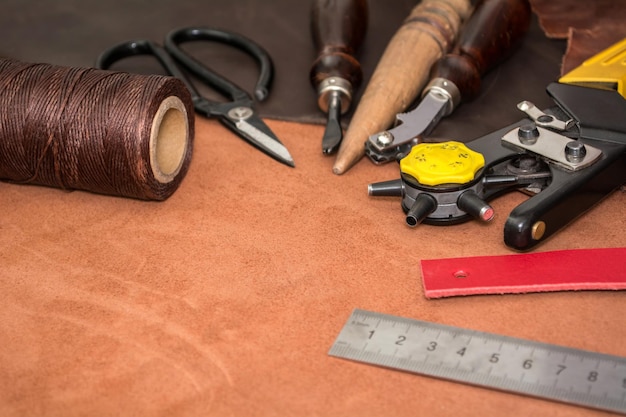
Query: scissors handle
point(144, 47)
point(179, 36)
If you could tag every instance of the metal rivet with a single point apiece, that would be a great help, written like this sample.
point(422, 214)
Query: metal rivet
point(538, 230)
point(575, 151)
point(384, 138)
point(528, 134)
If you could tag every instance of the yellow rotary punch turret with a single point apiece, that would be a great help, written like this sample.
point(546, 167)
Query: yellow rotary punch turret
point(442, 163)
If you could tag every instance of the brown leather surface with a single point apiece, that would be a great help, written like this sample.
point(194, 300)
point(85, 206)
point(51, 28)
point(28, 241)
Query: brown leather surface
point(224, 299)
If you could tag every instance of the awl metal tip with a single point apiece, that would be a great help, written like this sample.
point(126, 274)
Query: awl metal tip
point(333, 134)
point(332, 137)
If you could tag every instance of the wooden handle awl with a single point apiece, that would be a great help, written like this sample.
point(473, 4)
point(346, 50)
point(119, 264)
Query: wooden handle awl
point(490, 36)
point(338, 28)
point(427, 34)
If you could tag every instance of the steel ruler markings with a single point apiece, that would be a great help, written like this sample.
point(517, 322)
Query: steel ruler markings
point(489, 360)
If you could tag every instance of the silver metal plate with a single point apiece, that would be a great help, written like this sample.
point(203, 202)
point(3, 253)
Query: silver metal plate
point(488, 360)
point(552, 146)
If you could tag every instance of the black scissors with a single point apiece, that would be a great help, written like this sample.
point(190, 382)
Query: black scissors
point(237, 114)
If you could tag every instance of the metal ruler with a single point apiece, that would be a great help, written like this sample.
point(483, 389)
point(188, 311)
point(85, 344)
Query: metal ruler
point(489, 360)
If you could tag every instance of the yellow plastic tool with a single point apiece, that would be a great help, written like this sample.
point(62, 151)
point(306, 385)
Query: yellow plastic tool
point(442, 163)
point(606, 70)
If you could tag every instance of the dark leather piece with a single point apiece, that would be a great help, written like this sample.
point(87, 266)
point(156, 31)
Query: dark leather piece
point(584, 43)
point(589, 26)
point(75, 32)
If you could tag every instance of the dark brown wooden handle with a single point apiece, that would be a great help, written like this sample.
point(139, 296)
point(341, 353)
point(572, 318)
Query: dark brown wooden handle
point(491, 34)
point(338, 28)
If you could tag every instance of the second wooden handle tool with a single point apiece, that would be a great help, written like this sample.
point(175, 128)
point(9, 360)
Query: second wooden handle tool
point(491, 35)
point(402, 72)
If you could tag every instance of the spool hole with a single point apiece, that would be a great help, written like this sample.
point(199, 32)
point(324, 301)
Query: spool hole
point(169, 139)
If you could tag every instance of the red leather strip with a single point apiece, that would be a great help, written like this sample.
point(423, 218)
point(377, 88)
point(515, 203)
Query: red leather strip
point(578, 269)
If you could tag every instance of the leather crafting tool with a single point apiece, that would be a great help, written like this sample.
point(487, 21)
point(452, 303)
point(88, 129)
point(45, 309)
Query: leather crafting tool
point(238, 114)
point(570, 157)
point(338, 28)
point(402, 72)
point(565, 270)
point(492, 33)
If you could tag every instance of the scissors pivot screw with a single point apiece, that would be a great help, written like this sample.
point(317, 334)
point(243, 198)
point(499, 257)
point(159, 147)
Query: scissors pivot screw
point(240, 113)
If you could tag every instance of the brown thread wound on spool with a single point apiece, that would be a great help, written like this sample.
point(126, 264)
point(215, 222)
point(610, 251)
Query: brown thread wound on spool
point(107, 132)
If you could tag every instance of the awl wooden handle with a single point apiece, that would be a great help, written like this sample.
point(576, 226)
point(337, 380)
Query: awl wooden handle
point(402, 72)
point(491, 34)
point(338, 28)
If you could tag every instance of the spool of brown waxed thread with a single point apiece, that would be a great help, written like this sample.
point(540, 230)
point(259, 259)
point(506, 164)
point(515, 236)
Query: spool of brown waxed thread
point(106, 132)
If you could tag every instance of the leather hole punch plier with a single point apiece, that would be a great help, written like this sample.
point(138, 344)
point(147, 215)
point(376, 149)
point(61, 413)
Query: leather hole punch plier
point(567, 158)
point(238, 114)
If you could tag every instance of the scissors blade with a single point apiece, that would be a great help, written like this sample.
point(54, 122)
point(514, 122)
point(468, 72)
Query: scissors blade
point(254, 130)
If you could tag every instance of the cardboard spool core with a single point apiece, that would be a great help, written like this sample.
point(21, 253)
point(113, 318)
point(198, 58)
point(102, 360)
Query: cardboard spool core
point(169, 139)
